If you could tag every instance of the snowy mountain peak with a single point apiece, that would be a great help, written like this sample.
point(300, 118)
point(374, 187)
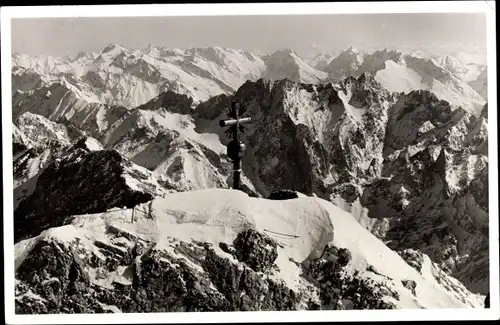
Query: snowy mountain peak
point(286, 64)
point(282, 54)
point(345, 64)
point(353, 49)
point(113, 49)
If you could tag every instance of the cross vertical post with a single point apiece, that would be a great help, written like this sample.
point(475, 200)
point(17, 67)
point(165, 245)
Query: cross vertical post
point(237, 159)
point(235, 148)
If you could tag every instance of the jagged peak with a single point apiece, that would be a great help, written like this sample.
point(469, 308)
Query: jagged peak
point(88, 143)
point(113, 47)
point(424, 94)
point(351, 50)
point(365, 78)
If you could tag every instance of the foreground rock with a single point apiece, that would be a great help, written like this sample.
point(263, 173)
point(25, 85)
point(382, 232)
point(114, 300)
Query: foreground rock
point(174, 257)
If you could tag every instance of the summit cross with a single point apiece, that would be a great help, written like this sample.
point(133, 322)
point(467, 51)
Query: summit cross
point(235, 148)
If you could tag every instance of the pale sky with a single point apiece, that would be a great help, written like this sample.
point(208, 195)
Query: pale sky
point(69, 36)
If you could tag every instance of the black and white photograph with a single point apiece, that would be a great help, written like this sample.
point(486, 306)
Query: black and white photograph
point(250, 160)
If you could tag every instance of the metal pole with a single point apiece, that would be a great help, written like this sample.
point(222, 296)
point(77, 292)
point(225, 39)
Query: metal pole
point(237, 172)
point(237, 161)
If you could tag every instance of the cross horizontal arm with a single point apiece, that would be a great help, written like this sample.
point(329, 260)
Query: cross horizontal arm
point(243, 120)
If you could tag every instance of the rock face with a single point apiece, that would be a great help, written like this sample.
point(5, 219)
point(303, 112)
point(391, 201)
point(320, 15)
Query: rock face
point(314, 126)
point(409, 159)
point(339, 290)
point(99, 180)
point(155, 281)
point(170, 100)
point(429, 177)
point(36, 142)
point(256, 250)
point(481, 84)
point(282, 195)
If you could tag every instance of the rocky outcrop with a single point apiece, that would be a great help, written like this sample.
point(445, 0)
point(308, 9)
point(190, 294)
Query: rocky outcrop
point(57, 277)
point(256, 250)
point(173, 102)
point(82, 182)
point(36, 142)
point(323, 128)
point(428, 177)
point(341, 290)
point(281, 194)
point(70, 277)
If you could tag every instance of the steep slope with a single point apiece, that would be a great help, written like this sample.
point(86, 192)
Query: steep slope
point(379, 156)
point(20, 142)
point(466, 72)
point(311, 125)
point(481, 84)
point(287, 64)
point(321, 60)
point(38, 129)
point(29, 165)
point(36, 142)
point(126, 77)
point(398, 72)
point(434, 186)
point(177, 256)
point(62, 102)
point(82, 181)
point(167, 144)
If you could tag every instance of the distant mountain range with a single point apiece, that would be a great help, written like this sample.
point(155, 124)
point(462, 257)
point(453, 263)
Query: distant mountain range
point(126, 77)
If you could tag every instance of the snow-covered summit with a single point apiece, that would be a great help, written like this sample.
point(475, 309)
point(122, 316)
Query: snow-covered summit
point(208, 231)
point(113, 49)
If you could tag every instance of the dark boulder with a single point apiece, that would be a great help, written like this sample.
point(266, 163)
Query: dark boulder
point(410, 285)
point(282, 194)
